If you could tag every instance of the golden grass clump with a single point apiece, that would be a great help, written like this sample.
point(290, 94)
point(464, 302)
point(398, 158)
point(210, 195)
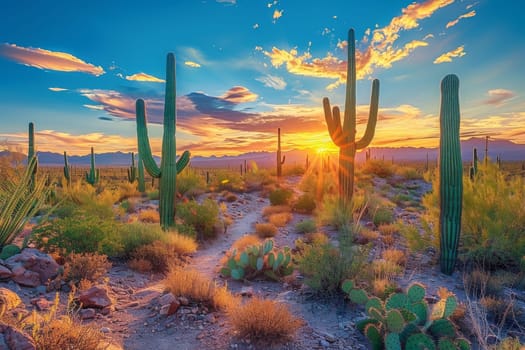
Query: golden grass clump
point(190, 283)
point(385, 270)
point(280, 219)
point(85, 267)
point(68, 333)
point(180, 244)
point(265, 230)
point(366, 235)
point(149, 216)
point(388, 229)
point(275, 209)
point(316, 238)
point(395, 256)
point(263, 319)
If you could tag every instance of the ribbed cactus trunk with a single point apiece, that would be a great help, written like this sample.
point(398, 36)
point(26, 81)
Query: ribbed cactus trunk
point(31, 154)
point(344, 135)
point(280, 160)
point(140, 169)
point(67, 170)
point(474, 167)
point(169, 166)
point(450, 174)
point(94, 174)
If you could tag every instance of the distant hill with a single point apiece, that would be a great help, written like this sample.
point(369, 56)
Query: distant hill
point(507, 150)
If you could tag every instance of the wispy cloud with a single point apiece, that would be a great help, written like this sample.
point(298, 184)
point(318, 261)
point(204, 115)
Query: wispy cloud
point(277, 14)
point(466, 15)
point(497, 97)
point(144, 77)
point(57, 89)
point(273, 81)
point(448, 56)
point(192, 64)
point(45, 59)
point(381, 52)
point(232, 2)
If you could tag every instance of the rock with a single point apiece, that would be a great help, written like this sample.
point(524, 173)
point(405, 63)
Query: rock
point(15, 339)
point(105, 330)
point(41, 303)
point(247, 291)
point(35, 261)
point(184, 301)
point(95, 297)
point(170, 309)
point(25, 277)
point(5, 272)
point(324, 343)
point(166, 299)
point(86, 314)
point(9, 298)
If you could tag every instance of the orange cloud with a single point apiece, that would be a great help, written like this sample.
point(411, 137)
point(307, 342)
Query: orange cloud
point(57, 89)
point(277, 14)
point(239, 94)
point(45, 59)
point(144, 77)
point(466, 15)
point(497, 97)
point(192, 64)
point(448, 56)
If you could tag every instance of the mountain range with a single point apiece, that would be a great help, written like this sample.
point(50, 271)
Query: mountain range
point(507, 150)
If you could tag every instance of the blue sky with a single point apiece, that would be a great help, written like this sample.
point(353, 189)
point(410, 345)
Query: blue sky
point(245, 68)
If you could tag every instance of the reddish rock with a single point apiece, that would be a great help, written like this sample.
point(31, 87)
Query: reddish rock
point(86, 314)
point(41, 303)
point(166, 299)
point(25, 277)
point(35, 261)
point(170, 309)
point(95, 297)
point(15, 339)
point(5, 272)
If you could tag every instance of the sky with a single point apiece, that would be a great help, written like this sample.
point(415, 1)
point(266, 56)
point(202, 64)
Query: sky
point(247, 67)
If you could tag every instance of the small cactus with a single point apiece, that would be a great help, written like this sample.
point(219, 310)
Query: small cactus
point(132, 170)
point(94, 174)
point(67, 170)
point(280, 159)
point(31, 153)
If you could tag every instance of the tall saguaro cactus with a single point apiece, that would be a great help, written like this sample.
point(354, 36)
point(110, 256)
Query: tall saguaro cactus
point(450, 174)
point(169, 166)
point(132, 170)
point(67, 170)
point(280, 160)
point(343, 135)
point(141, 184)
point(94, 174)
point(473, 170)
point(31, 153)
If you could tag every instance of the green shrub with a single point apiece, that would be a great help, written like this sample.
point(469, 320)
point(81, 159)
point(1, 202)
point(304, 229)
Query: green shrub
point(204, 217)
point(136, 234)
point(190, 184)
point(306, 226)
point(383, 216)
point(265, 229)
point(379, 168)
point(305, 204)
point(280, 196)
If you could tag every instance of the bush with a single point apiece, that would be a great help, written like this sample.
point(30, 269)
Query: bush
point(85, 266)
point(203, 217)
point(261, 319)
point(275, 209)
point(68, 333)
point(265, 230)
point(305, 204)
point(306, 226)
point(150, 216)
point(379, 168)
point(136, 234)
point(383, 216)
point(190, 184)
point(280, 196)
point(280, 219)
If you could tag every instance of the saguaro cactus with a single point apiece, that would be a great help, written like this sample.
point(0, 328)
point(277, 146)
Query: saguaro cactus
point(169, 166)
point(31, 153)
point(94, 174)
point(132, 170)
point(280, 161)
point(450, 174)
point(141, 184)
point(67, 170)
point(474, 167)
point(344, 135)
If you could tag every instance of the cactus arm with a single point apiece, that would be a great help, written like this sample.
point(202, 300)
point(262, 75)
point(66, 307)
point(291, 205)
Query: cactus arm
point(372, 119)
point(183, 161)
point(333, 122)
point(284, 158)
point(143, 140)
point(450, 177)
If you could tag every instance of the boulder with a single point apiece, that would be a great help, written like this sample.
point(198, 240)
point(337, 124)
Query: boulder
point(95, 297)
point(5, 272)
point(9, 298)
point(35, 261)
point(25, 277)
point(15, 339)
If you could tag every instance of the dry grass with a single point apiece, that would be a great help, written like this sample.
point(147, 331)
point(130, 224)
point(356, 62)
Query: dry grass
point(395, 256)
point(265, 230)
point(366, 235)
point(388, 229)
point(262, 319)
point(68, 333)
point(280, 219)
point(140, 265)
point(316, 238)
point(240, 245)
point(382, 287)
point(150, 216)
point(180, 244)
point(275, 209)
point(85, 266)
point(385, 270)
point(193, 285)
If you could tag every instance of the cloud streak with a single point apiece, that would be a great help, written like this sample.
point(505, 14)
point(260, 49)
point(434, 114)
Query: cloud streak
point(144, 77)
point(456, 21)
point(45, 59)
point(497, 97)
point(448, 56)
point(273, 82)
point(192, 64)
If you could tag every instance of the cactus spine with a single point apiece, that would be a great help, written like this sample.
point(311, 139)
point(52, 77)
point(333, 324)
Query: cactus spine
point(169, 166)
point(94, 174)
point(280, 161)
point(343, 135)
point(31, 153)
point(132, 170)
point(141, 186)
point(67, 170)
point(450, 174)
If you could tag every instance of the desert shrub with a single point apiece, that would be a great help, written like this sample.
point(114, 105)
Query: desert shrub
point(128, 206)
point(335, 213)
point(383, 215)
point(493, 213)
point(136, 234)
point(508, 344)
point(85, 266)
point(151, 216)
point(365, 235)
point(280, 219)
point(203, 217)
point(275, 209)
point(280, 196)
point(500, 310)
point(384, 269)
point(189, 283)
point(245, 241)
point(306, 226)
point(68, 333)
point(226, 180)
point(409, 173)
point(388, 229)
point(293, 170)
point(305, 204)
point(262, 319)
point(416, 240)
point(325, 267)
point(395, 256)
point(153, 195)
point(230, 197)
point(481, 283)
point(140, 265)
point(190, 183)
point(379, 168)
point(127, 190)
point(266, 229)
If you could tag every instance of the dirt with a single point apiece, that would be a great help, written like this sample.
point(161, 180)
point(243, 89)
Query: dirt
point(328, 324)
